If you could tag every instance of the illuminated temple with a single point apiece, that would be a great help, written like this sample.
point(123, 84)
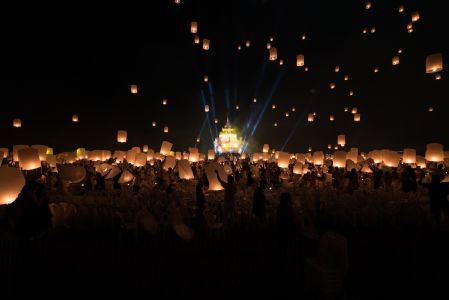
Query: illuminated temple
point(228, 140)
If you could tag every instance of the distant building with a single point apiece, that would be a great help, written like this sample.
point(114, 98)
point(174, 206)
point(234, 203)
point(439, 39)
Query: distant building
point(228, 140)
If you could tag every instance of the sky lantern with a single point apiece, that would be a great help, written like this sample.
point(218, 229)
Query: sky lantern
point(177, 1)
point(437, 76)
point(273, 106)
point(306, 69)
point(430, 109)
point(275, 124)
point(271, 39)
point(415, 16)
point(197, 139)
point(265, 148)
point(273, 54)
point(178, 155)
point(341, 140)
point(329, 146)
point(331, 118)
point(434, 63)
point(365, 30)
point(248, 43)
point(166, 148)
point(184, 169)
point(239, 47)
point(42, 151)
point(376, 70)
point(354, 110)
point(283, 160)
point(287, 114)
point(211, 154)
point(357, 117)
point(434, 152)
point(337, 69)
point(409, 156)
point(133, 88)
point(353, 154)
point(373, 29)
point(214, 184)
point(4, 153)
point(332, 86)
point(300, 60)
point(399, 50)
point(255, 100)
point(194, 27)
point(29, 159)
point(122, 136)
point(165, 129)
point(216, 121)
point(17, 123)
point(237, 107)
point(75, 118)
point(15, 151)
point(206, 108)
point(395, 61)
point(310, 117)
point(346, 109)
point(339, 159)
point(281, 62)
point(119, 156)
point(206, 78)
point(164, 101)
point(141, 159)
point(346, 78)
point(11, 183)
point(145, 148)
point(153, 123)
point(368, 5)
point(351, 93)
point(194, 155)
point(206, 44)
point(268, 46)
point(196, 39)
point(318, 158)
point(401, 8)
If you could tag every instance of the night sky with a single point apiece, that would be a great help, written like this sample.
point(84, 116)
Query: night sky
point(59, 59)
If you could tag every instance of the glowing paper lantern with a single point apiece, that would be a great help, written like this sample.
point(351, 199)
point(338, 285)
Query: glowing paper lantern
point(170, 162)
point(184, 170)
point(165, 129)
point(310, 117)
point(401, 8)
point(206, 108)
point(395, 61)
point(303, 37)
point(29, 159)
point(196, 39)
point(75, 118)
point(332, 86)
point(131, 156)
point(126, 177)
point(366, 169)
point(420, 162)
point(434, 152)
point(71, 173)
point(237, 107)
point(193, 27)
point(273, 54)
point(133, 88)
point(297, 169)
point(434, 63)
point(341, 140)
point(206, 44)
point(145, 148)
point(42, 151)
point(114, 171)
point(11, 183)
point(356, 117)
point(283, 160)
point(376, 70)
point(409, 156)
point(373, 29)
point(4, 153)
point(177, 1)
point(214, 184)
point(331, 118)
point(275, 124)
point(351, 93)
point(122, 136)
point(390, 158)
point(119, 156)
point(166, 148)
point(17, 123)
point(353, 154)
point(153, 124)
point(150, 154)
point(210, 154)
point(268, 46)
point(51, 160)
point(329, 146)
point(178, 155)
point(368, 5)
point(141, 159)
point(206, 78)
point(194, 155)
point(437, 76)
point(415, 16)
point(164, 101)
point(81, 153)
point(103, 169)
point(339, 159)
point(300, 60)
point(265, 148)
point(248, 44)
point(346, 78)
point(318, 158)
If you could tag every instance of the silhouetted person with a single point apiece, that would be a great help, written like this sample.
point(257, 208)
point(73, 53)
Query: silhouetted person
point(199, 222)
point(377, 179)
point(100, 184)
point(438, 198)
point(29, 214)
point(285, 221)
point(259, 202)
point(408, 180)
point(353, 181)
point(229, 199)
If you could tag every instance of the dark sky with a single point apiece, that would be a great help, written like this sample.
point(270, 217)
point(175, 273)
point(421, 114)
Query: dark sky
point(60, 59)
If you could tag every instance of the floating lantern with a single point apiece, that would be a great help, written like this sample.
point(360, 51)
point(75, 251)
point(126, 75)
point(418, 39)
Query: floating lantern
point(131, 156)
point(437, 76)
point(206, 78)
point(354, 110)
point(273, 54)
point(373, 29)
point(15, 151)
point(239, 47)
point(193, 27)
point(318, 158)
point(165, 129)
point(357, 118)
point(29, 159)
point(346, 78)
point(273, 106)
point(410, 30)
point(341, 140)
point(4, 153)
point(434, 152)
point(237, 107)
point(303, 37)
point(337, 69)
point(214, 184)
point(410, 26)
point(178, 155)
point(293, 109)
point(126, 177)
point(287, 114)
point(141, 159)
point(42, 151)
point(368, 5)
point(194, 155)
point(197, 139)
point(177, 1)
point(206, 108)
point(169, 163)
point(271, 39)
point(133, 88)
point(265, 148)
point(153, 124)
point(17, 123)
point(376, 70)
point(248, 44)
point(49, 151)
point(415, 16)
point(310, 117)
point(268, 46)
point(51, 160)
point(275, 124)
point(339, 159)
point(351, 93)
point(164, 102)
point(11, 183)
point(145, 148)
point(390, 158)
point(283, 160)
point(216, 121)
point(184, 170)
point(122, 136)
point(409, 156)
point(254, 100)
point(366, 169)
point(399, 51)
point(346, 109)
point(332, 86)
point(430, 109)
point(166, 148)
point(365, 30)
point(75, 118)
point(353, 154)
point(336, 147)
point(281, 62)
point(150, 155)
point(119, 156)
point(401, 8)
point(329, 146)
point(300, 60)
point(196, 39)
point(395, 61)
point(306, 69)
point(206, 44)
point(420, 162)
point(210, 154)
point(331, 118)
point(434, 63)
